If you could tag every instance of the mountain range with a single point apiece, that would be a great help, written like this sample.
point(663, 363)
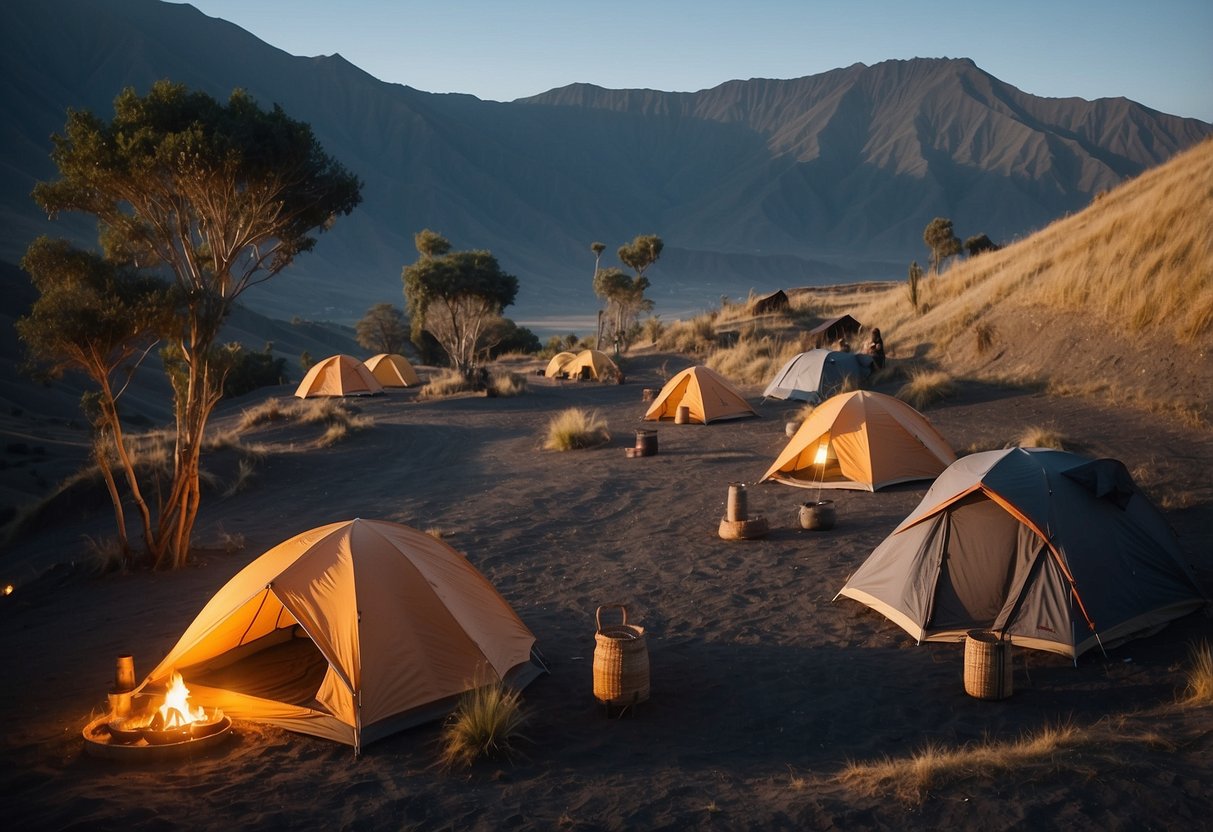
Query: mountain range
point(753, 184)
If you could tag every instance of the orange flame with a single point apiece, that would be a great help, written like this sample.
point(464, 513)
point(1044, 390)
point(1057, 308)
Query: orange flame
point(176, 711)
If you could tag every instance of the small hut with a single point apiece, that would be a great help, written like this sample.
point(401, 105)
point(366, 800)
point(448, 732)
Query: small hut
point(844, 326)
point(768, 304)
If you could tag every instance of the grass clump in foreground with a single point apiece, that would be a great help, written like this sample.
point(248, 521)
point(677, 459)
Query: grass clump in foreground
point(576, 428)
point(1200, 676)
point(1038, 437)
point(935, 766)
point(925, 387)
point(485, 725)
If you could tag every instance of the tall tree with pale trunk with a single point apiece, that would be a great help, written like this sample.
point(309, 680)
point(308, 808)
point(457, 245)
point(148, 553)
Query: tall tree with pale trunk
point(221, 197)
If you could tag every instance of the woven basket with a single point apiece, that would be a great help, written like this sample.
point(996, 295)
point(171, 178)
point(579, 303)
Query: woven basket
point(988, 670)
point(621, 661)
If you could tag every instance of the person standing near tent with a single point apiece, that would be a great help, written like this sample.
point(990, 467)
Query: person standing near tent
point(876, 348)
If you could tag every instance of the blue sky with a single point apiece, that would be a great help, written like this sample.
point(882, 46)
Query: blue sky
point(1158, 53)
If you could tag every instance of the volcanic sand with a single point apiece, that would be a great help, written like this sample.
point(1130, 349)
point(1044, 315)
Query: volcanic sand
point(763, 686)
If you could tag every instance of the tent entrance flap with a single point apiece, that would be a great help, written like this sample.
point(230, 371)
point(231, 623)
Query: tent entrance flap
point(972, 589)
point(285, 668)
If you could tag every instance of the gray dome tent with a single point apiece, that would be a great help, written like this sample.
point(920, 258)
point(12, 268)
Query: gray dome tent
point(816, 375)
point(1054, 551)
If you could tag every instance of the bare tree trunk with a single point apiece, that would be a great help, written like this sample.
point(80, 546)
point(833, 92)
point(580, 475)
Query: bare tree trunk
point(101, 455)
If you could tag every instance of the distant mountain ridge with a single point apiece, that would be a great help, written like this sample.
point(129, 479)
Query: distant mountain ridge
point(752, 184)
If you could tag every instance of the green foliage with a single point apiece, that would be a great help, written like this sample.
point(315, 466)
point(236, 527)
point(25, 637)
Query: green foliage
point(504, 336)
point(382, 329)
point(642, 252)
point(941, 240)
point(430, 243)
point(454, 297)
point(91, 315)
point(306, 361)
point(248, 371)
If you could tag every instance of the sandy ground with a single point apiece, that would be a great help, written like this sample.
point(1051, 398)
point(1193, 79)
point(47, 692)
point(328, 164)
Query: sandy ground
point(763, 686)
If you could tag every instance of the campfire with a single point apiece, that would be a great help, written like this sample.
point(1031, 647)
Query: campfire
point(174, 721)
point(142, 721)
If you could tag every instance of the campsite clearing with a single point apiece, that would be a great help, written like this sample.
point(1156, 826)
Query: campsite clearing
point(762, 686)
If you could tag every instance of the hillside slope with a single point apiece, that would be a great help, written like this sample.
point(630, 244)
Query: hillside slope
point(1117, 298)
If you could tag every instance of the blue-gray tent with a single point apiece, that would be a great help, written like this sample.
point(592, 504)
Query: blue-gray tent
point(1049, 549)
point(816, 375)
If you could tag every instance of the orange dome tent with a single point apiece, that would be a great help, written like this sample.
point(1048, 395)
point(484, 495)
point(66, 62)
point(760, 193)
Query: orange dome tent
point(350, 632)
point(863, 441)
point(709, 396)
point(393, 370)
point(338, 375)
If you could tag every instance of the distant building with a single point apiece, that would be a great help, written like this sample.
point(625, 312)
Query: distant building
point(775, 302)
point(844, 326)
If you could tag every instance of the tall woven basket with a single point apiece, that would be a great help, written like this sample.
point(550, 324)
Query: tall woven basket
point(621, 661)
point(988, 668)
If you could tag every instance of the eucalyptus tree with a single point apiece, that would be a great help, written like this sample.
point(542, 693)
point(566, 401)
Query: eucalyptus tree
point(100, 319)
point(221, 197)
point(456, 297)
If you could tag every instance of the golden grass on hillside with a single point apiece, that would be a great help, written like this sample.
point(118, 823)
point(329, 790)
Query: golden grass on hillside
point(753, 359)
point(1139, 259)
point(926, 387)
point(445, 383)
point(696, 336)
point(575, 428)
point(485, 725)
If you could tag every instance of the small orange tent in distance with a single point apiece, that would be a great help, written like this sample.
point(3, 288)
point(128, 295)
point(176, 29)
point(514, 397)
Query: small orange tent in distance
point(709, 396)
point(863, 441)
point(556, 365)
point(393, 370)
point(592, 364)
point(338, 375)
point(350, 631)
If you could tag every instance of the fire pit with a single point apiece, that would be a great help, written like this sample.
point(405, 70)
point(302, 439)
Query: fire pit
point(151, 732)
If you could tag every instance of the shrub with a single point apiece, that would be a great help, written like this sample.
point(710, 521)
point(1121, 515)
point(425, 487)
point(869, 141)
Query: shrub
point(251, 370)
point(575, 428)
point(925, 387)
point(485, 724)
point(985, 337)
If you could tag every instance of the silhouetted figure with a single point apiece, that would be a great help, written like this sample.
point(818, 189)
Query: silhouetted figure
point(876, 349)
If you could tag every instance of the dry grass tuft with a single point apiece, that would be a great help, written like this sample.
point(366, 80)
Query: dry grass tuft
point(575, 428)
point(1041, 437)
point(244, 474)
point(485, 725)
point(505, 385)
point(1199, 690)
point(445, 383)
point(935, 766)
point(106, 555)
point(270, 410)
point(926, 387)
